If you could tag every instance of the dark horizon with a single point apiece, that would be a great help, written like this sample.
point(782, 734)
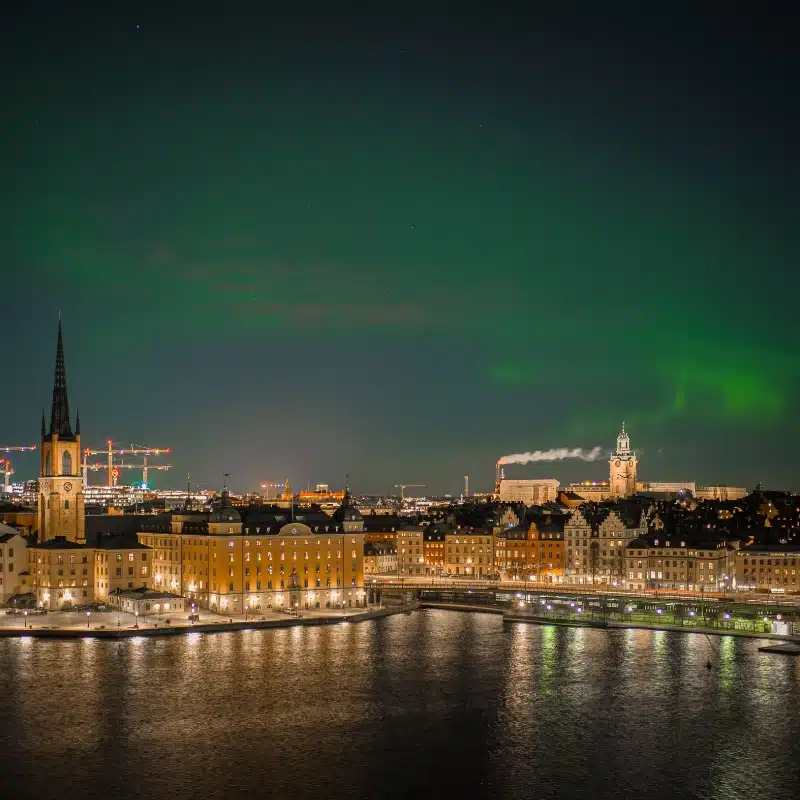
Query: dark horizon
point(312, 243)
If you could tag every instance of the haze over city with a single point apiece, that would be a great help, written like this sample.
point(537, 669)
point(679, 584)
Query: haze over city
point(309, 244)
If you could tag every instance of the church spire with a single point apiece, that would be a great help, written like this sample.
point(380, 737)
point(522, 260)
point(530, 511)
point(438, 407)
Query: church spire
point(78, 423)
point(44, 429)
point(59, 414)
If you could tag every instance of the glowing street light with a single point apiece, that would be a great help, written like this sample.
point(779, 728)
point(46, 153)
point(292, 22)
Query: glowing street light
point(137, 620)
point(88, 614)
point(25, 614)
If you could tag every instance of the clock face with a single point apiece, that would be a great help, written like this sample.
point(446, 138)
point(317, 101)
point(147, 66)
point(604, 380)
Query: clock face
point(67, 487)
point(618, 462)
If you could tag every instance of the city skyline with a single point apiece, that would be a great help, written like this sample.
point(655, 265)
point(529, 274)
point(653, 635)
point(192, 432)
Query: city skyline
point(287, 250)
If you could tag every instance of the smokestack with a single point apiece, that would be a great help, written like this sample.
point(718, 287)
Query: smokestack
point(466, 486)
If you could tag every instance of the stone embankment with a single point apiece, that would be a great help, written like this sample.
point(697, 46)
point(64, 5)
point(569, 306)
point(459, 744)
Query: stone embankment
point(290, 621)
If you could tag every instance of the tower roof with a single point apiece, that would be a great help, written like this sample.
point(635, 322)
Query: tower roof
point(59, 414)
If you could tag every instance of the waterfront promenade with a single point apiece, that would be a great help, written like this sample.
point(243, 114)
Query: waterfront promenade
point(121, 625)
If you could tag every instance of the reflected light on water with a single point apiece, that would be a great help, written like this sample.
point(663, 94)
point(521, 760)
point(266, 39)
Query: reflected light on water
point(386, 706)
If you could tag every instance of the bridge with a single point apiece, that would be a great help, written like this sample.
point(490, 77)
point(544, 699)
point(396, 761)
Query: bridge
point(506, 591)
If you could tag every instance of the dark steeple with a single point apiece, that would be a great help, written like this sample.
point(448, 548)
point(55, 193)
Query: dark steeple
point(44, 429)
point(59, 415)
point(78, 423)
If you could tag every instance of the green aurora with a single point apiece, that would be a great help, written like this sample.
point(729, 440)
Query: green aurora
point(290, 258)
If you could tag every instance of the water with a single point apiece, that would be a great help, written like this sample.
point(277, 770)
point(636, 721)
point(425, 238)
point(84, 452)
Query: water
point(433, 704)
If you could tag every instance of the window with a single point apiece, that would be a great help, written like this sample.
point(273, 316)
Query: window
point(66, 464)
point(130, 556)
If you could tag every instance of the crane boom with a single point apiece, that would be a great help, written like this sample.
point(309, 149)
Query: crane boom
point(403, 486)
point(112, 451)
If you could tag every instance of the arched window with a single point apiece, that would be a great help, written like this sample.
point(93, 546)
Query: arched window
point(66, 464)
point(48, 464)
point(66, 505)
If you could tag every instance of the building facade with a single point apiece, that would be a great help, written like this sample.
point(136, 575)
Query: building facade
point(768, 569)
point(671, 563)
point(470, 552)
point(121, 567)
point(433, 546)
point(594, 545)
point(380, 558)
point(62, 572)
point(13, 563)
point(213, 560)
point(410, 551)
point(535, 553)
point(529, 492)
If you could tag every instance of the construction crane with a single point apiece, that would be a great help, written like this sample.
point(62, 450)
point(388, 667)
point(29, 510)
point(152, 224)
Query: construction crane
point(6, 470)
point(144, 467)
point(403, 486)
point(134, 449)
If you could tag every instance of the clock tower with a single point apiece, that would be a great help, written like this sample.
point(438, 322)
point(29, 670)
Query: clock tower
point(623, 466)
point(60, 483)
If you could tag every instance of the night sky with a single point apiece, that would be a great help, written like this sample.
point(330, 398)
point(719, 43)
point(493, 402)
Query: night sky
point(400, 245)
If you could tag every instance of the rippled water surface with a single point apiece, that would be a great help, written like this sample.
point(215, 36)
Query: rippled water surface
point(433, 704)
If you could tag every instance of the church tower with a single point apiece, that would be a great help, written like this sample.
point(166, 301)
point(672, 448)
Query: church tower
point(623, 466)
point(61, 510)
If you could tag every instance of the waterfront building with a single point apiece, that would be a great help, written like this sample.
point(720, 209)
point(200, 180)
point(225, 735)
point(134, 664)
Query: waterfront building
point(146, 603)
point(13, 563)
point(380, 558)
point(61, 500)
point(768, 568)
point(121, 566)
point(433, 547)
point(623, 465)
point(530, 492)
point(410, 551)
point(535, 553)
point(271, 559)
point(669, 562)
point(595, 542)
point(62, 573)
point(470, 552)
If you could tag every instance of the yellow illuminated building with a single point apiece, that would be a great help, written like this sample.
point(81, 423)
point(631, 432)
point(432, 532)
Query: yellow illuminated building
point(220, 566)
point(62, 573)
point(119, 568)
point(469, 553)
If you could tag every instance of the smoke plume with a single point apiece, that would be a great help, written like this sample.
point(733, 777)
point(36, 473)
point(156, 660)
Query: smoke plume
point(557, 454)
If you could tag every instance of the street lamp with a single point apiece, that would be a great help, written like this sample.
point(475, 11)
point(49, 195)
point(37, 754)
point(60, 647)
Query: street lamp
point(88, 614)
point(25, 614)
point(137, 619)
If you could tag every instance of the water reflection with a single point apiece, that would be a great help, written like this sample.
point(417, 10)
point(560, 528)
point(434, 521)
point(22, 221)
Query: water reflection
point(435, 703)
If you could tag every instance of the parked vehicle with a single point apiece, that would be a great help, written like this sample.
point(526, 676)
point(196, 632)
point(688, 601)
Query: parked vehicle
point(194, 618)
point(12, 611)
